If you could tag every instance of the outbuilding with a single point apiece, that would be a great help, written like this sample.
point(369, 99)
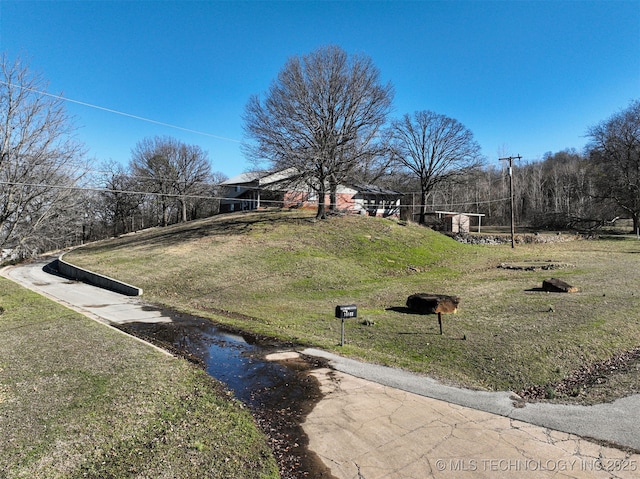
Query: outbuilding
point(455, 222)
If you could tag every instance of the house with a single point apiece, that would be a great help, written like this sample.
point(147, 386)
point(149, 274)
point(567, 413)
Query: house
point(375, 201)
point(285, 189)
point(252, 190)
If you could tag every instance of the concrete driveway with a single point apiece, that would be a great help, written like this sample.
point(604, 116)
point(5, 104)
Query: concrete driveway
point(369, 429)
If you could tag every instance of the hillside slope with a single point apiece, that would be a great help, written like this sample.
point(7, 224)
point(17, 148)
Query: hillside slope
point(281, 273)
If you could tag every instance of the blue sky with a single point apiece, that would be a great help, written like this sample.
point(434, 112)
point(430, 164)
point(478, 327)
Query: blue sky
point(526, 77)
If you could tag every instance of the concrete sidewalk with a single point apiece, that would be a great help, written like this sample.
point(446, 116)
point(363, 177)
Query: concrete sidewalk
point(100, 304)
point(387, 423)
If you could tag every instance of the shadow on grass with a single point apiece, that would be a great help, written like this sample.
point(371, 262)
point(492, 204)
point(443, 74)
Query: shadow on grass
point(405, 310)
point(619, 237)
point(219, 225)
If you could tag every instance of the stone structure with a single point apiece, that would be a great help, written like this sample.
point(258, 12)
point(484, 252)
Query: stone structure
point(426, 303)
point(555, 285)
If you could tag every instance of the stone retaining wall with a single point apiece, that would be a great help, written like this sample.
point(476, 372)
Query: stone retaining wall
point(527, 238)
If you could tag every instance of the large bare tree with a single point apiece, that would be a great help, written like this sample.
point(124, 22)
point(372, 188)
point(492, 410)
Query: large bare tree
point(434, 148)
point(40, 161)
point(320, 118)
point(172, 170)
point(615, 151)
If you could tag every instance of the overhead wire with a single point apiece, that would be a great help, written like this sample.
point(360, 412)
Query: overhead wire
point(169, 125)
point(117, 112)
point(208, 197)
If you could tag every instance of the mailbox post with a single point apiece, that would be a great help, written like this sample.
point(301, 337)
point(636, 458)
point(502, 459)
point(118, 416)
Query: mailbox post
point(344, 312)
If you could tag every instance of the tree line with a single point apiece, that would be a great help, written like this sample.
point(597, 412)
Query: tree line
point(327, 117)
point(52, 196)
point(555, 193)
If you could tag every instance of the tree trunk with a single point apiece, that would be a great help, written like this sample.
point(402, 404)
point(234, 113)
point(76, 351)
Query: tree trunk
point(333, 195)
point(165, 211)
point(423, 207)
point(321, 214)
point(183, 201)
point(333, 199)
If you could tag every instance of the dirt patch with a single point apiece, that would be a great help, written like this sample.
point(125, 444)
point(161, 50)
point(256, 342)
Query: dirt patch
point(536, 266)
point(603, 381)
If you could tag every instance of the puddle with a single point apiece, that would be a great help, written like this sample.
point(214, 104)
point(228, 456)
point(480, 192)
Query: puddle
point(279, 393)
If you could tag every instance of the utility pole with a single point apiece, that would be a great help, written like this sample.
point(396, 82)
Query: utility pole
point(510, 160)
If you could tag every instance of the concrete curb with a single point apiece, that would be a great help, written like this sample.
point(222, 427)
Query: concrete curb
point(95, 279)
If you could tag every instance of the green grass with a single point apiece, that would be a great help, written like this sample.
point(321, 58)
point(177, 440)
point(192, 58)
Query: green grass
point(284, 273)
point(78, 399)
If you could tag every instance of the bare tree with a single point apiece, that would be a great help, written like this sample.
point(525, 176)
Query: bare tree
point(208, 203)
point(559, 191)
point(320, 118)
point(40, 161)
point(435, 148)
point(172, 170)
point(120, 201)
point(152, 169)
point(194, 172)
point(615, 151)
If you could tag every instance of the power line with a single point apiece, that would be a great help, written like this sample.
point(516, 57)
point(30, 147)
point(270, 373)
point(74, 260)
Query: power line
point(107, 190)
point(129, 115)
point(206, 197)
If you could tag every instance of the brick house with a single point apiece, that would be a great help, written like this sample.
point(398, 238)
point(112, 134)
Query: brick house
point(253, 190)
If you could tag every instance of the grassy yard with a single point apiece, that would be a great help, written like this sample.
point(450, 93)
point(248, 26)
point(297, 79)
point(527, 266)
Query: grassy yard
point(282, 274)
point(78, 399)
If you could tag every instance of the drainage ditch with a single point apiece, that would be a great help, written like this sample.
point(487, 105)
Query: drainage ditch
point(279, 393)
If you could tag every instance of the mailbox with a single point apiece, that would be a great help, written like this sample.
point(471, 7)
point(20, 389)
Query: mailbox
point(346, 311)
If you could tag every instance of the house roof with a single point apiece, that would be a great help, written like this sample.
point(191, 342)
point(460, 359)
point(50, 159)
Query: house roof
point(263, 178)
point(243, 178)
point(258, 178)
point(376, 190)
